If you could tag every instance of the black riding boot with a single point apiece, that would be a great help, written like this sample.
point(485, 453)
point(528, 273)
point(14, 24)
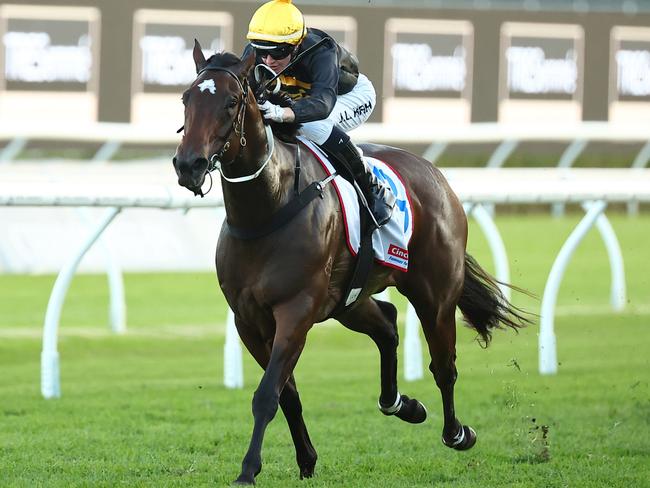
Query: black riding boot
point(381, 200)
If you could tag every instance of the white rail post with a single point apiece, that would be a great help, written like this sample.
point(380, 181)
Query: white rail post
point(117, 300)
point(412, 352)
point(13, 149)
point(50, 377)
point(547, 340)
point(567, 159)
point(617, 293)
point(233, 371)
point(107, 151)
point(412, 346)
point(498, 158)
point(640, 162)
point(434, 151)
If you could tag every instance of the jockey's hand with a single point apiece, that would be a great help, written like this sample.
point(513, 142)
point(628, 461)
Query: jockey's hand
point(276, 113)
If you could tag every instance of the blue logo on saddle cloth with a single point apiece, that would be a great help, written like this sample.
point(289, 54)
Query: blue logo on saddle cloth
point(390, 242)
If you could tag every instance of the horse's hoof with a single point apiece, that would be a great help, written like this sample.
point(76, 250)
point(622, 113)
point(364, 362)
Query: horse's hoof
point(306, 472)
point(464, 440)
point(244, 480)
point(412, 411)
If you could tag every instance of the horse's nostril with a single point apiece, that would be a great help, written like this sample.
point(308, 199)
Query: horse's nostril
point(174, 161)
point(200, 164)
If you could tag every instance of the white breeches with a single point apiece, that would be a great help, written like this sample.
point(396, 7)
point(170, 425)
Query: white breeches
point(350, 111)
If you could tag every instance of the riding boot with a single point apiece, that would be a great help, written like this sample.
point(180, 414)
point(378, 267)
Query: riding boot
point(379, 197)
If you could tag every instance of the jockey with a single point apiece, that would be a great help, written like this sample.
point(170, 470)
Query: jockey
point(330, 96)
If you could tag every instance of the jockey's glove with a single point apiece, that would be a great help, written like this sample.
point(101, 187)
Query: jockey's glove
point(272, 112)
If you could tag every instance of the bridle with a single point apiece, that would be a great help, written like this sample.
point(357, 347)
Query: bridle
point(237, 121)
point(237, 126)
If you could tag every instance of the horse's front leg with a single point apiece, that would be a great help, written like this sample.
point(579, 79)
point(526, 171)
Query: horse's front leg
point(289, 400)
point(292, 408)
point(292, 320)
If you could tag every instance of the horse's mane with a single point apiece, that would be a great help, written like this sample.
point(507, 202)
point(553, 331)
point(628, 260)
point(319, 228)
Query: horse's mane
point(222, 59)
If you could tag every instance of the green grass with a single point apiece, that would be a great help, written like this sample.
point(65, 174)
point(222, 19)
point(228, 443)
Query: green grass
point(148, 408)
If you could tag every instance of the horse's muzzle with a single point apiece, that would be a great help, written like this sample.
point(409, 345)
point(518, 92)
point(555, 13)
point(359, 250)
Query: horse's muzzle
point(191, 175)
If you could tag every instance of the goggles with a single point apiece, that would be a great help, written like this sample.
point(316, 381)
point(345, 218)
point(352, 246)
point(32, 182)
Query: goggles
point(279, 51)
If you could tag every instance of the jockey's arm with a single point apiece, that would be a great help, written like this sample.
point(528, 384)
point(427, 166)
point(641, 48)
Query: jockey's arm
point(288, 115)
point(318, 104)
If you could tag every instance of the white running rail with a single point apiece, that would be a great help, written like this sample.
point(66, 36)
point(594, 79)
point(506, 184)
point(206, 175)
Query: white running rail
point(479, 191)
point(595, 189)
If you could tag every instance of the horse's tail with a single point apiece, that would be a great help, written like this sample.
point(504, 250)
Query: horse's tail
point(483, 304)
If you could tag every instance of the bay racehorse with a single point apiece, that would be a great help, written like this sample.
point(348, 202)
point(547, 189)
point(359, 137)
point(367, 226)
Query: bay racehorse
point(283, 281)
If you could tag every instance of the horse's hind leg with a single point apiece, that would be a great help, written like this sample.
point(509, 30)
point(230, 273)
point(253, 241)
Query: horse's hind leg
point(439, 326)
point(378, 320)
point(289, 402)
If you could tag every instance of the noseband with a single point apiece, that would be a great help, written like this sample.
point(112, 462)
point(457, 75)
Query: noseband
point(215, 159)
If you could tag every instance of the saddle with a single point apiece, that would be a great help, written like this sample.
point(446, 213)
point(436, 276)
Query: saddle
point(364, 257)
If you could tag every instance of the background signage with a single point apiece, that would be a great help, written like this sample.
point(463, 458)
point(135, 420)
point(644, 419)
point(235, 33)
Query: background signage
point(541, 72)
point(629, 89)
point(428, 69)
point(47, 51)
point(163, 65)
point(342, 29)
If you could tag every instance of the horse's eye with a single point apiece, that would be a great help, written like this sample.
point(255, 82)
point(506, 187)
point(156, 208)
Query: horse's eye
point(185, 98)
point(233, 103)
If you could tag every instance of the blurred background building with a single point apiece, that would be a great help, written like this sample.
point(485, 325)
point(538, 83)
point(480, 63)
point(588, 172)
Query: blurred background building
point(434, 62)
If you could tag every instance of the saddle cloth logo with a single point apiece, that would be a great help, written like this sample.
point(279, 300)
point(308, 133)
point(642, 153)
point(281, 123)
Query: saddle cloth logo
point(390, 242)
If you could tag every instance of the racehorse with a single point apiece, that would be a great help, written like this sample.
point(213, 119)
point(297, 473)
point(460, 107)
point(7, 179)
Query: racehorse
point(282, 282)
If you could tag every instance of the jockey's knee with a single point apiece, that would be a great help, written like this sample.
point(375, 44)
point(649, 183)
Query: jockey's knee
point(317, 131)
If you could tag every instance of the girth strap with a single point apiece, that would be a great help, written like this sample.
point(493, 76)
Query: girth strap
point(362, 267)
point(284, 215)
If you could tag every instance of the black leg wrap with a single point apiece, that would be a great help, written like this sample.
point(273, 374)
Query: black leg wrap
point(464, 440)
point(408, 409)
point(412, 411)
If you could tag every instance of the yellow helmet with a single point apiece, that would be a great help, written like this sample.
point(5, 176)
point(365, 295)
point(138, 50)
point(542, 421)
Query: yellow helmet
point(277, 21)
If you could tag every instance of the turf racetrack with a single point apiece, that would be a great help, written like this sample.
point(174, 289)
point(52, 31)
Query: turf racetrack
point(149, 409)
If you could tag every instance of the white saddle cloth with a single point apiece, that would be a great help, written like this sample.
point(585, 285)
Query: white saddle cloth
point(390, 243)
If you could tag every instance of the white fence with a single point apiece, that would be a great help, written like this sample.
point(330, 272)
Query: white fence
point(111, 136)
point(477, 188)
point(593, 188)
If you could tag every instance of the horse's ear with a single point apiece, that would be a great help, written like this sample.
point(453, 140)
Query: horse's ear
point(199, 58)
point(246, 64)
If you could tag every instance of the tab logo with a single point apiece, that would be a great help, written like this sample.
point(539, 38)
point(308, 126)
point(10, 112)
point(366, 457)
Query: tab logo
point(393, 250)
